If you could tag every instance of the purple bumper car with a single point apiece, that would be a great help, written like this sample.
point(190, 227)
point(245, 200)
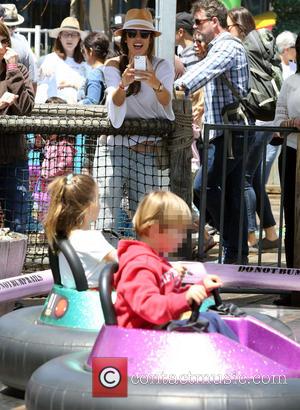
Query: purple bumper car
point(177, 370)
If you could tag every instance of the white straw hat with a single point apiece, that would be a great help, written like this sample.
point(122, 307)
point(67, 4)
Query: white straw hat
point(139, 19)
point(11, 16)
point(68, 24)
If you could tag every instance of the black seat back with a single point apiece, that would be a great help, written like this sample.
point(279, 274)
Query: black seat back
point(74, 262)
point(105, 290)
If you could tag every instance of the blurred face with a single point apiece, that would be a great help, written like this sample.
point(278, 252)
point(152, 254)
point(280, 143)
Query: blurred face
point(4, 42)
point(204, 26)
point(138, 42)
point(167, 240)
point(69, 41)
point(233, 28)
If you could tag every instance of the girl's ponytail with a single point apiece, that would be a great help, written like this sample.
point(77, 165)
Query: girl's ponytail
point(70, 197)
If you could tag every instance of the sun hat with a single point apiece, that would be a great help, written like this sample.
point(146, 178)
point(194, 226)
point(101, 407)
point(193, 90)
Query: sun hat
point(68, 24)
point(11, 16)
point(139, 19)
point(2, 11)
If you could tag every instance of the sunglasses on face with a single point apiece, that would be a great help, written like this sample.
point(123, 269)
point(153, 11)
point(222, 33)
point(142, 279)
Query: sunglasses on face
point(199, 22)
point(4, 42)
point(133, 33)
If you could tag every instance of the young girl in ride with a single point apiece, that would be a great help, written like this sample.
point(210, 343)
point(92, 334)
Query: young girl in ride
point(149, 289)
point(73, 208)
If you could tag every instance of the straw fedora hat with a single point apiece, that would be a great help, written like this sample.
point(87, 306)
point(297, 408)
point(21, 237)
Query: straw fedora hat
point(139, 19)
point(11, 16)
point(68, 24)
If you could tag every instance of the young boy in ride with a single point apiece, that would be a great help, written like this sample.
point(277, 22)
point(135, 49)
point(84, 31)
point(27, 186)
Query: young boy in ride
point(149, 289)
point(73, 207)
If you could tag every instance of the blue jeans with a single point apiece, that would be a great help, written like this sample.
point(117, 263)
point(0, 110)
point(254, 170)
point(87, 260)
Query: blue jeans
point(254, 188)
point(14, 197)
point(216, 324)
point(272, 152)
point(233, 194)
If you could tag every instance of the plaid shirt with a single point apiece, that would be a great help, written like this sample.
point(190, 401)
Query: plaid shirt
point(224, 56)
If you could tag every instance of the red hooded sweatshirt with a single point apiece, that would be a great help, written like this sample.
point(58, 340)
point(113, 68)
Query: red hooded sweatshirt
point(149, 291)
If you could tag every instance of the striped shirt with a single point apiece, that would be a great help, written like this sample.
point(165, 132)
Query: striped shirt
point(188, 57)
point(224, 56)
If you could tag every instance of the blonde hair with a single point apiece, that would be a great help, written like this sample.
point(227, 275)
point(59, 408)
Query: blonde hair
point(70, 197)
point(164, 208)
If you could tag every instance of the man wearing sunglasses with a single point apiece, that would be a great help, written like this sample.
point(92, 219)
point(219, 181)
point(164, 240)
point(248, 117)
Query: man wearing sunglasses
point(225, 55)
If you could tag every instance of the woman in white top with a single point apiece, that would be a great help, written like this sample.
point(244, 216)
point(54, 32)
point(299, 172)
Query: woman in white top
point(130, 160)
point(288, 115)
point(63, 72)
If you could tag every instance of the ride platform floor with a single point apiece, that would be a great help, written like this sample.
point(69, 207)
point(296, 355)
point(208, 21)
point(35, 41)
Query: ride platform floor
point(14, 400)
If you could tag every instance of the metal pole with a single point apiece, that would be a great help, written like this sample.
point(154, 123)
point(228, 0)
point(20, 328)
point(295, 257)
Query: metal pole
point(297, 211)
point(165, 23)
point(37, 41)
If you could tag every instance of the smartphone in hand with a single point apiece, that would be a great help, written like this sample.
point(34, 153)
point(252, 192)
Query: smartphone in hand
point(140, 64)
point(8, 97)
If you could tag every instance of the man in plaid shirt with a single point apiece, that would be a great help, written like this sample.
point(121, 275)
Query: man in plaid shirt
point(225, 55)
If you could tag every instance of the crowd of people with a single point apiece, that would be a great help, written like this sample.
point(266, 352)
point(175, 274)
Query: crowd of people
point(83, 68)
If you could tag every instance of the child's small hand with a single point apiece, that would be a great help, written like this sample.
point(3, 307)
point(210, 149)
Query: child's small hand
point(211, 282)
point(196, 293)
point(180, 269)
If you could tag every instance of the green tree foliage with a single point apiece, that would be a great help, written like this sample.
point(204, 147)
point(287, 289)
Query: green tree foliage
point(288, 12)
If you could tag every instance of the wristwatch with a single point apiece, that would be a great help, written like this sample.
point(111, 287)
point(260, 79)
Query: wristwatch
point(159, 89)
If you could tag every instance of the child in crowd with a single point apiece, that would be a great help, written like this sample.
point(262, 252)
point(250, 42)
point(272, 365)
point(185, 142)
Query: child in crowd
point(73, 207)
point(149, 289)
point(57, 154)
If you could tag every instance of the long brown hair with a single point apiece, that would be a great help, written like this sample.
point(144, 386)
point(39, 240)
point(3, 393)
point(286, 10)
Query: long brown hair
point(70, 197)
point(134, 87)
point(5, 33)
point(59, 50)
point(243, 19)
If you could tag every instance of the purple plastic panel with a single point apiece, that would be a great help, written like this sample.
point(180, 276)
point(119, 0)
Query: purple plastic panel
point(266, 277)
point(31, 284)
point(267, 341)
point(153, 353)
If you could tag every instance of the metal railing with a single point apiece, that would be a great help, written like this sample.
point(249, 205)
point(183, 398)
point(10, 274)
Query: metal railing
point(247, 132)
point(38, 39)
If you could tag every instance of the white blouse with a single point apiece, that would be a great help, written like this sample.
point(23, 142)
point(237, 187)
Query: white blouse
point(288, 105)
point(142, 105)
point(52, 71)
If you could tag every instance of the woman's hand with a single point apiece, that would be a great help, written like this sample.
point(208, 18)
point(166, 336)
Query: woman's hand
point(65, 84)
point(128, 75)
point(10, 57)
point(297, 123)
point(7, 99)
point(196, 293)
point(211, 282)
point(148, 76)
